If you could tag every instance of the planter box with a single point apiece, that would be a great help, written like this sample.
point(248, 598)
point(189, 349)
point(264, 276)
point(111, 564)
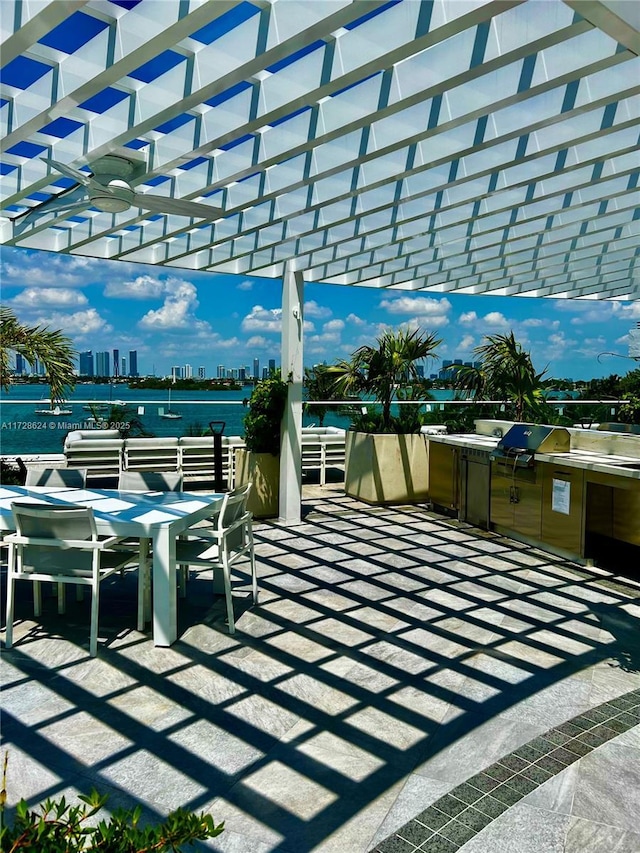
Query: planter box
point(387, 469)
point(263, 471)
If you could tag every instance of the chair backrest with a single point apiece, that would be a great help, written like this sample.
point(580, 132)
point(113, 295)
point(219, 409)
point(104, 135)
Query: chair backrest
point(233, 508)
point(57, 477)
point(150, 481)
point(44, 521)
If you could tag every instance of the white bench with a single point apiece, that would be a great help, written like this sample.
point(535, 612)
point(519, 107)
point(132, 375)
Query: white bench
point(151, 454)
point(322, 448)
point(99, 451)
point(104, 454)
point(196, 456)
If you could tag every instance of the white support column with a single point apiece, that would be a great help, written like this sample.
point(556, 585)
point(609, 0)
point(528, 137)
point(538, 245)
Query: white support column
point(292, 372)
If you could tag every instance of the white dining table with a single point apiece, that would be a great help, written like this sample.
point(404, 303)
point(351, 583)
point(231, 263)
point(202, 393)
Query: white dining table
point(157, 518)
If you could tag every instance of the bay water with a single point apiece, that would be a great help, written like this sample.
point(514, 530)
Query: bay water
point(23, 431)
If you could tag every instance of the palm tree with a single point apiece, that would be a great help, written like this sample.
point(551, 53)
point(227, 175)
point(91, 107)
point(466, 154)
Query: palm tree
point(385, 369)
point(37, 343)
point(506, 373)
point(125, 419)
point(320, 385)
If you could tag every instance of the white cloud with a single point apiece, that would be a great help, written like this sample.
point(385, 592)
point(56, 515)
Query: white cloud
point(557, 345)
point(263, 320)
point(77, 325)
point(27, 269)
point(203, 345)
point(435, 322)
point(245, 285)
point(216, 341)
point(590, 311)
point(333, 326)
point(536, 323)
point(331, 335)
point(37, 297)
point(257, 341)
point(312, 309)
point(624, 340)
point(354, 320)
point(420, 306)
point(177, 311)
point(143, 287)
point(467, 343)
point(496, 320)
point(631, 311)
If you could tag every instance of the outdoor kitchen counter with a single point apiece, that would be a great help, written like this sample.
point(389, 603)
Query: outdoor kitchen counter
point(590, 461)
point(487, 442)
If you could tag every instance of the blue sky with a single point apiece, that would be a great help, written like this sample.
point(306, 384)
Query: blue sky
point(177, 317)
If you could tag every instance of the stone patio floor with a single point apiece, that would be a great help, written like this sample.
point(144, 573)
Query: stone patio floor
point(406, 683)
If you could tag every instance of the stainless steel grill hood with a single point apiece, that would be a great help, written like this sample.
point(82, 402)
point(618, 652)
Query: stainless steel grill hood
point(522, 441)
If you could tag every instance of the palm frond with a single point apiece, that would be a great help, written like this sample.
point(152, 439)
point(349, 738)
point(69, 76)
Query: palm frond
point(37, 344)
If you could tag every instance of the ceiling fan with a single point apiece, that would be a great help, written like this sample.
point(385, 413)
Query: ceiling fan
point(109, 188)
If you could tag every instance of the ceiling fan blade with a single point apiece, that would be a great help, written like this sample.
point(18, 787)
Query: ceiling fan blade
point(68, 171)
point(71, 199)
point(177, 206)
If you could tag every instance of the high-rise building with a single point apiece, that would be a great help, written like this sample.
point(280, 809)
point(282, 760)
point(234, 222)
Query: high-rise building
point(242, 373)
point(116, 362)
point(133, 362)
point(103, 364)
point(202, 373)
point(176, 373)
point(20, 364)
point(187, 371)
point(265, 372)
point(450, 368)
point(256, 368)
point(123, 366)
point(221, 373)
point(85, 363)
point(272, 365)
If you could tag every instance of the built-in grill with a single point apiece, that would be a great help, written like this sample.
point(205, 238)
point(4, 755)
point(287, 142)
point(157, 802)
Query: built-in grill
point(522, 441)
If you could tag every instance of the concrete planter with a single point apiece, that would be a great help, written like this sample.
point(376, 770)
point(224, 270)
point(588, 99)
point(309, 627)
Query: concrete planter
point(263, 470)
point(387, 469)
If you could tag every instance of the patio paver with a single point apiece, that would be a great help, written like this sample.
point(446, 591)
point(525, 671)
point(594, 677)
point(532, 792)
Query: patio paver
point(406, 683)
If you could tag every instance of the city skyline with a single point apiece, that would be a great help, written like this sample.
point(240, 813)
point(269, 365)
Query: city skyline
point(172, 317)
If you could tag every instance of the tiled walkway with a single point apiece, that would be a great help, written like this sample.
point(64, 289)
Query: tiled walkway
point(405, 684)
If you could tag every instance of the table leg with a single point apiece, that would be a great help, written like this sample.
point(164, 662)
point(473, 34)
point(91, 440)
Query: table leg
point(165, 629)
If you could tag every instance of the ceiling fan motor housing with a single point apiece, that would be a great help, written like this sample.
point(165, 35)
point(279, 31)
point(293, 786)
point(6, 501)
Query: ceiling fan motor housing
point(118, 199)
point(113, 172)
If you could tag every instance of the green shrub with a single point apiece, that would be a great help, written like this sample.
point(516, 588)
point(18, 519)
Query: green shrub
point(263, 421)
point(56, 826)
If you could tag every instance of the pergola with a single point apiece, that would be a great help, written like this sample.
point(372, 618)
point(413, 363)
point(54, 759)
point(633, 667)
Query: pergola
point(448, 146)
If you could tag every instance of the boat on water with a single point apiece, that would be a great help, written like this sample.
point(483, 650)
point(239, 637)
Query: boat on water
point(54, 412)
point(168, 414)
point(95, 420)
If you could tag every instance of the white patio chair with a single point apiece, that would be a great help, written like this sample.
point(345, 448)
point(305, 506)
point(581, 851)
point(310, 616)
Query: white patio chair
point(150, 481)
point(147, 481)
point(220, 546)
point(61, 544)
point(71, 477)
point(65, 477)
